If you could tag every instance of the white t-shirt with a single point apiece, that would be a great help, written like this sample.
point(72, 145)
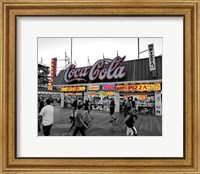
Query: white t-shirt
point(47, 114)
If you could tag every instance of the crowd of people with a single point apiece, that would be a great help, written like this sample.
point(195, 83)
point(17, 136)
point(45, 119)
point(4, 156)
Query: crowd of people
point(81, 115)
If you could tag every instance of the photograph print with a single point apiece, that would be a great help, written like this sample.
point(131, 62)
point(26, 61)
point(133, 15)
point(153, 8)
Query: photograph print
point(99, 86)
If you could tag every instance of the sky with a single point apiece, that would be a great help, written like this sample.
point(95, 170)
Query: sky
point(80, 49)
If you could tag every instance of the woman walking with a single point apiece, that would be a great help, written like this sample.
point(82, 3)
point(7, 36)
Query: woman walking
point(130, 123)
point(80, 125)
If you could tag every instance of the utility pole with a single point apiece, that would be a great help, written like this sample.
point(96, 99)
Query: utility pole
point(139, 52)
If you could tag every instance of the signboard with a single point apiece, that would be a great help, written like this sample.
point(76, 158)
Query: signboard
point(93, 88)
point(142, 96)
point(109, 93)
point(158, 104)
point(112, 70)
point(108, 87)
point(50, 88)
point(139, 87)
point(53, 68)
point(72, 88)
point(152, 62)
point(92, 93)
point(101, 93)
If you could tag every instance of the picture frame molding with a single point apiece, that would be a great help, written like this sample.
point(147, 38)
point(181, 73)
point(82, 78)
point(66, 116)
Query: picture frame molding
point(11, 9)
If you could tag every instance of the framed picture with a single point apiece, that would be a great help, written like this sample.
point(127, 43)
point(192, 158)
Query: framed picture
point(99, 87)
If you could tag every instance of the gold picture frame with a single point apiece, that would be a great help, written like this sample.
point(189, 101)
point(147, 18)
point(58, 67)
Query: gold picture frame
point(10, 9)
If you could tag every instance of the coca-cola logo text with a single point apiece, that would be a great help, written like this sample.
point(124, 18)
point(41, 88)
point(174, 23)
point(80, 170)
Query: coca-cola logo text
point(97, 71)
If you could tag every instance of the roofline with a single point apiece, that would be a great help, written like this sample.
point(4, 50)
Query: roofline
point(104, 83)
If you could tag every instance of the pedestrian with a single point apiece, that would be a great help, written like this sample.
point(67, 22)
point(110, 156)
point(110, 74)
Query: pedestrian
point(123, 105)
point(130, 123)
point(133, 102)
point(129, 104)
point(112, 110)
point(72, 125)
point(41, 104)
point(90, 109)
point(136, 106)
point(86, 108)
point(47, 115)
point(80, 125)
point(79, 102)
point(74, 107)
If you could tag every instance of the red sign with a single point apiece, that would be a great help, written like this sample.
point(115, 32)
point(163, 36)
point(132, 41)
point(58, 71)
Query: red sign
point(108, 87)
point(53, 68)
point(98, 71)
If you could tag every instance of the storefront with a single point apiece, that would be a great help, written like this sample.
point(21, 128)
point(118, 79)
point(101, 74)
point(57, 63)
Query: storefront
point(69, 93)
point(143, 94)
point(117, 79)
point(99, 96)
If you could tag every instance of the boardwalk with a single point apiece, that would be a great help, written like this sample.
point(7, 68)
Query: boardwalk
point(147, 125)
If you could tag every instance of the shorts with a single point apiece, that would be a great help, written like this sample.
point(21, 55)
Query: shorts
point(47, 129)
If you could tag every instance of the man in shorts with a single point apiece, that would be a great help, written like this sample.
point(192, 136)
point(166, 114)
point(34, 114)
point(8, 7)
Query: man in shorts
point(47, 116)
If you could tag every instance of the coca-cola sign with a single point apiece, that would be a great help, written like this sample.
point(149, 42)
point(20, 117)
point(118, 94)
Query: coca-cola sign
point(99, 71)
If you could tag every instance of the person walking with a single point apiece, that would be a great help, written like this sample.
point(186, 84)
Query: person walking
point(74, 107)
point(125, 108)
point(41, 104)
point(86, 108)
point(136, 106)
point(47, 116)
point(90, 109)
point(112, 110)
point(80, 125)
point(130, 123)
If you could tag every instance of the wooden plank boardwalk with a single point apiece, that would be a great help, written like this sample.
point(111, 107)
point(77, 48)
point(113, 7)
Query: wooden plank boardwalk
point(147, 125)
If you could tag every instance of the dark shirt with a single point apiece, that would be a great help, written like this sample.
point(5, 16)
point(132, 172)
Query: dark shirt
point(79, 119)
point(74, 104)
point(112, 104)
point(133, 104)
point(86, 105)
point(41, 105)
